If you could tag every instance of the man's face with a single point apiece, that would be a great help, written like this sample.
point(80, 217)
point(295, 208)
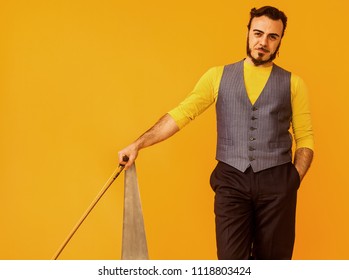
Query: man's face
point(264, 38)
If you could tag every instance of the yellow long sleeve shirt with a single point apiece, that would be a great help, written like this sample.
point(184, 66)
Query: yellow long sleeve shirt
point(206, 91)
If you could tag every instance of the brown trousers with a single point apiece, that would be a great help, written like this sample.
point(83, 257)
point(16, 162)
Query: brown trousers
point(255, 212)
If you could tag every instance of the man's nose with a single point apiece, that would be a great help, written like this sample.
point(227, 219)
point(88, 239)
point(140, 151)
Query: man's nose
point(263, 41)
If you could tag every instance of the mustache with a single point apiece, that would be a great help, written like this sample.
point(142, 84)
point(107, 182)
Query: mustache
point(263, 49)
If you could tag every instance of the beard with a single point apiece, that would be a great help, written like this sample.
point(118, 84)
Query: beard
point(259, 61)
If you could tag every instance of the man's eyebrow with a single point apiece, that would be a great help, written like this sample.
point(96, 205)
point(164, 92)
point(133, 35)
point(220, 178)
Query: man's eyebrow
point(273, 34)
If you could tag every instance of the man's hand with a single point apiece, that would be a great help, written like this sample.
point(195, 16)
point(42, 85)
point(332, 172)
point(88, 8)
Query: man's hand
point(131, 152)
point(302, 161)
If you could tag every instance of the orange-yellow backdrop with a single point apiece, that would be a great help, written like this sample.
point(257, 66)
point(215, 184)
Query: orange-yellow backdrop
point(82, 79)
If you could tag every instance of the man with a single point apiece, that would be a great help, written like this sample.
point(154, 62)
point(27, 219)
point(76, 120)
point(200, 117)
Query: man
point(255, 181)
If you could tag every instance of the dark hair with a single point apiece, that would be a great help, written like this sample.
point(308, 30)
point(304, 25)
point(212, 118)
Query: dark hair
point(270, 12)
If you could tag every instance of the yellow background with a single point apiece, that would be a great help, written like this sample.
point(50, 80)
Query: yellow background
point(79, 80)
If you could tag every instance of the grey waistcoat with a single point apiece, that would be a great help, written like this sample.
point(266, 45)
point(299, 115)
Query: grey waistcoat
point(254, 135)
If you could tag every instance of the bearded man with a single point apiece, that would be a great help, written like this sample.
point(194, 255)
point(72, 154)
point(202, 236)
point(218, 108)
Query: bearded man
point(256, 178)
